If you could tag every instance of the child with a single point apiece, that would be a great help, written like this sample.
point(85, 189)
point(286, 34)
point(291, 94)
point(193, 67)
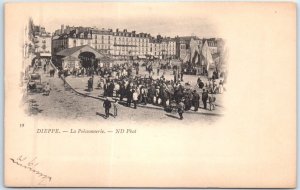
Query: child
point(47, 89)
point(212, 100)
point(115, 104)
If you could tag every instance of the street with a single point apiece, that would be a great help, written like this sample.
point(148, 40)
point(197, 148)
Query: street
point(63, 103)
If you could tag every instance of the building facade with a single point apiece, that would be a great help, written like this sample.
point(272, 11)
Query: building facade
point(213, 45)
point(42, 40)
point(118, 44)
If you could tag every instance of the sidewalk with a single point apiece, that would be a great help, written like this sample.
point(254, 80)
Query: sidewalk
point(79, 85)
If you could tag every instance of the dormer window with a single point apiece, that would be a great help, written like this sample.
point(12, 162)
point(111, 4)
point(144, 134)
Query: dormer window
point(74, 35)
point(89, 36)
point(81, 35)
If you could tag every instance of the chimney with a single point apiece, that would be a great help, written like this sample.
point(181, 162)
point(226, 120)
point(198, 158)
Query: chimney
point(117, 30)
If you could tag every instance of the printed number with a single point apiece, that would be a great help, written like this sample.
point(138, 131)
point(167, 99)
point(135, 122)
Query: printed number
point(21, 124)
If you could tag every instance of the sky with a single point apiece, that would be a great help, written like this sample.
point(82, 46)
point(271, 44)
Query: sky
point(155, 18)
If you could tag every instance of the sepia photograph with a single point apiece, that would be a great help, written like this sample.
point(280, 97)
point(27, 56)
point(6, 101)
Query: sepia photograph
point(70, 68)
point(150, 94)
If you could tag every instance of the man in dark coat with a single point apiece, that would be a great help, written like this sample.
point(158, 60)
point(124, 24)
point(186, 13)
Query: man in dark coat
point(196, 99)
point(187, 103)
point(204, 98)
point(105, 89)
point(122, 91)
point(181, 74)
point(129, 97)
point(90, 84)
point(111, 87)
point(200, 83)
point(107, 106)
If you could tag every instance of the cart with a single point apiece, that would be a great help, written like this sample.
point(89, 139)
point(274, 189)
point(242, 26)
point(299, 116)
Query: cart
point(35, 84)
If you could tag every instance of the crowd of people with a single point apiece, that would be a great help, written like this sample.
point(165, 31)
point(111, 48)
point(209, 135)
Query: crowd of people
point(147, 90)
point(124, 82)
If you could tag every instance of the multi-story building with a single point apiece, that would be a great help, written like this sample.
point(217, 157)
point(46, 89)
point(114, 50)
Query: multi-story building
point(168, 48)
point(155, 48)
point(118, 44)
point(129, 44)
point(212, 44)
point(163, 48)
point(42, 40)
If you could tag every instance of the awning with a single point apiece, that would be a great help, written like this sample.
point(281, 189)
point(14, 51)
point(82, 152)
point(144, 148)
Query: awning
point(142, 57)
point(45, 55)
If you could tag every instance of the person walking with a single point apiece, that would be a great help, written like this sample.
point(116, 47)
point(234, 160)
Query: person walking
point(122, 91)
point(195, 100)
point(115, 105)
point(90, 84)
point(45, 68)
point(180, 110)
point(107, 106)
point(181, 74)
point(135, 98)
point(47, 89)
point(212, 100)
point(204, 98)
point(129, 97)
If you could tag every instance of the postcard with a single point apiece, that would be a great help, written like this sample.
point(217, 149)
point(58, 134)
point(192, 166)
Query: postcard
point(150, 94)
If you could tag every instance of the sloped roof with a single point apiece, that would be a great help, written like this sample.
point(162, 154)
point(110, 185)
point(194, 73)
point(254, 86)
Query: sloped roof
point(70, 58)
point(70, 51)
point(75, 52)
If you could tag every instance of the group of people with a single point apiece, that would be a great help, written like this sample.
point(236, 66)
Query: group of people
point(107, 104)
point(161, 92)
point(121, 82)
point(212, 86)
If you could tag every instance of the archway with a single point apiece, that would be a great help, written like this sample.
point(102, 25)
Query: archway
point(88, 59)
